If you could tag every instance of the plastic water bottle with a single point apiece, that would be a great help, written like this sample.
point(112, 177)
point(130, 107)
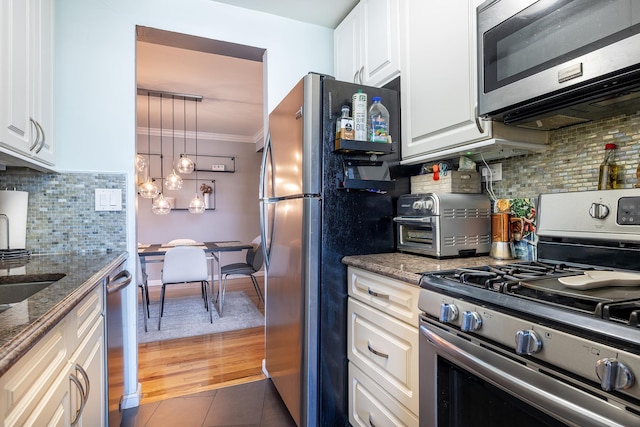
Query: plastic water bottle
point(378, 122)
point(359, 110)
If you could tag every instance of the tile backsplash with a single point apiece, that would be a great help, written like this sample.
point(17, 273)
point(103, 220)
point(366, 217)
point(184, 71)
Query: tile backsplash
point(61, 215)
point(572, 160)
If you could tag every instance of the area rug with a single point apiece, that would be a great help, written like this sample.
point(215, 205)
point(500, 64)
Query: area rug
point(187, 317)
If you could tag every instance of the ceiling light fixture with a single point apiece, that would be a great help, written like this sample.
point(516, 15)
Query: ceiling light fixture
point(148, 189)
point(160, 205)
point(173, 181)
point(196, 205)
point(185, 164)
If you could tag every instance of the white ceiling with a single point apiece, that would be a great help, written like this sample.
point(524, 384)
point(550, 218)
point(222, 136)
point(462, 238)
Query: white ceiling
point(327, 13)
point(228, 76)
point(232, 104)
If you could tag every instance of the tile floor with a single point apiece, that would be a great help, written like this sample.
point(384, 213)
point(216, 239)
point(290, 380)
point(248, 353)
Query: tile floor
point(254, 404)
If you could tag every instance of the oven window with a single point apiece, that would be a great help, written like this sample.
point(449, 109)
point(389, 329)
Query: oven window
point(552, 32)
point(466, 400)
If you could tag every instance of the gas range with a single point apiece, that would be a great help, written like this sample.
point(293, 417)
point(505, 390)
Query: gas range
point(559, 316)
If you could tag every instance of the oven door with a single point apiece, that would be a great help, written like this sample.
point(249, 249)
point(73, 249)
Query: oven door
point(418, 235)
point(463, 383)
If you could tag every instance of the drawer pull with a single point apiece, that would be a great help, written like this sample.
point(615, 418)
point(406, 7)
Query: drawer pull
point(371, 422)
point(376, 294)
point(376, 352)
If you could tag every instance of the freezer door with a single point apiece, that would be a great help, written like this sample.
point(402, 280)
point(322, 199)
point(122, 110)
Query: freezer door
point(294, 147)
point(291, 311)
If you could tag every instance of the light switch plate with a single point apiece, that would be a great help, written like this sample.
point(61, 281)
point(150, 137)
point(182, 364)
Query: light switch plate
point(108, 199)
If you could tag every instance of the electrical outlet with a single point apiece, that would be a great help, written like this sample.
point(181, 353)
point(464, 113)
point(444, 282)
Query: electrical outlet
point(496, 172)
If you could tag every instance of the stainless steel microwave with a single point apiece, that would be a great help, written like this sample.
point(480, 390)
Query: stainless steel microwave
point(545, 64)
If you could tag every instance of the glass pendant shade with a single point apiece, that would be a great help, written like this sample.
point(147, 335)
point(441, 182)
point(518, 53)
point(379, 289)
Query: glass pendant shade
point(161, 206)
point(141, 163)
point(173, 181)
point(196, 205)
point(185, 164)
point(148, 189)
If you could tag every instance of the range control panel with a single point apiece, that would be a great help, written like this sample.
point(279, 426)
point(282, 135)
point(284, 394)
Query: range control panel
point(628, 211)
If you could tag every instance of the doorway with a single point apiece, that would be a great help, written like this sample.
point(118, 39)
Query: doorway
point(223, 133)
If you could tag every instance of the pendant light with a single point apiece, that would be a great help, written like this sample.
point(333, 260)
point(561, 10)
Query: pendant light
point(141, 163)
point(148, 189)
point(196, 205)
point(160, 205)
point(173, 181)
point(185, 164)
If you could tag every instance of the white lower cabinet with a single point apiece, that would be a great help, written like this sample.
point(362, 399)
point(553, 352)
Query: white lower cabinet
point(61, 380)
point(382, 346)
point(370, 405)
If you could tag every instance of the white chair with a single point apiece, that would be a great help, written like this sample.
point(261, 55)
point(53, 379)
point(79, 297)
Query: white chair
point(253, 263)
point(184, 264)
point(144, 291)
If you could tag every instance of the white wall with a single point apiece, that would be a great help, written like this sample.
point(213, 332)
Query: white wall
point(96, 89)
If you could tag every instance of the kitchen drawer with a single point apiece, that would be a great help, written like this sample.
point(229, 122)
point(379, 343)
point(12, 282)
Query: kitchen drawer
point(85, 314)
point(28, 380)
point(386, 349)
point(370, 405)
point(394, 297)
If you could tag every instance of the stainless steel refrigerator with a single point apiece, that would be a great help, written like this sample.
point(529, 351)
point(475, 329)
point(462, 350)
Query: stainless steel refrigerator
point(309, 222)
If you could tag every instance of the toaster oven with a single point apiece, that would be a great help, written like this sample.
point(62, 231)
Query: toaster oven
point(444, 225)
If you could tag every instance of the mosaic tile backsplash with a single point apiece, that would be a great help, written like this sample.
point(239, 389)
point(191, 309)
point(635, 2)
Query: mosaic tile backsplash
point(61, 215)
point(573, 158)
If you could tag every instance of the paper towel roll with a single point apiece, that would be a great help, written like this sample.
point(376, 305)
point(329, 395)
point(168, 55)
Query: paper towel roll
point(13, 204)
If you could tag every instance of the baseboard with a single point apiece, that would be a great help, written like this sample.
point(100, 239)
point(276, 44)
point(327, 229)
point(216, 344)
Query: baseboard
point(264, 368)
point(132, 400)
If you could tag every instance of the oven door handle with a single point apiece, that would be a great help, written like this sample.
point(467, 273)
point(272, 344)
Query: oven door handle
point(563, 401)
point(412, 220)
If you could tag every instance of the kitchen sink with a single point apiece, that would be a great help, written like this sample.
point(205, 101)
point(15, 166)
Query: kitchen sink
point(14, 292)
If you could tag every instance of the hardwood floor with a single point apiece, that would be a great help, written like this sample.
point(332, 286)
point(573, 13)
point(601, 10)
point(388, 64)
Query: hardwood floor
point(174, 368)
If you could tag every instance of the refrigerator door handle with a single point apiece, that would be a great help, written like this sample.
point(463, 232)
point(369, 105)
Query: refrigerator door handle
point(263, 164)
point(263, 235)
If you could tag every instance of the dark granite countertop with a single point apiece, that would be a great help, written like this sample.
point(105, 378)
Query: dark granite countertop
point(406, 267)
point(26, 322)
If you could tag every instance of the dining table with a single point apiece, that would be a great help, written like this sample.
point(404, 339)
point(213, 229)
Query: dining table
point(154, 253)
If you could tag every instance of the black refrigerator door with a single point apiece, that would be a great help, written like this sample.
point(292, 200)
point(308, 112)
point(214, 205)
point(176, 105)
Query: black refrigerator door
point(353, 223)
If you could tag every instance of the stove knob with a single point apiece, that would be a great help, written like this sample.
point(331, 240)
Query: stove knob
point(471, 321)
point(598, 211)
point(613, 375)
point(448, 313)
point(528, 342)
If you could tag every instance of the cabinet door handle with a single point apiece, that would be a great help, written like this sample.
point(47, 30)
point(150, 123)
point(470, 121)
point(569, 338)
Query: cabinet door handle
point(360, 73)
point(371, 421)
point(35, 143)
point(478, 122)
point(355, 76)
point(376, 352)
point(39, 126)
point(87, 382)
point(78, 384)
point(377, 294)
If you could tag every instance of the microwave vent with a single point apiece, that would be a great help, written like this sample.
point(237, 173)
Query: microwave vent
point(553, 122)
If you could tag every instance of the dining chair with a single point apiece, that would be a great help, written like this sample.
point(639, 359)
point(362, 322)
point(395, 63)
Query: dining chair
point(184, 264)
point(186, 242)
point(141, 278)
point(253, 262)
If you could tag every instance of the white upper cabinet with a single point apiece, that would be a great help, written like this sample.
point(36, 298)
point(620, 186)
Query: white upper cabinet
point(26, 112)
point(367, 43)
point(439, 93)
point(439, 82)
